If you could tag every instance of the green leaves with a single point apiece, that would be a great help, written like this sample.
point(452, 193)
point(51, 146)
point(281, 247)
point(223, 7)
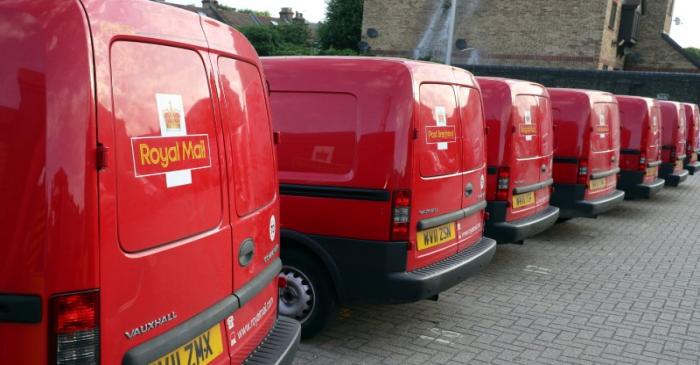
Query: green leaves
point(343, 26)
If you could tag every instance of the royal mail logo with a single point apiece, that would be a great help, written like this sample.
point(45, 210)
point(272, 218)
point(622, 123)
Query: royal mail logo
point(527, 129)
point(602, 126)
point(437, 134)
point(160, 155)
point(174, 153)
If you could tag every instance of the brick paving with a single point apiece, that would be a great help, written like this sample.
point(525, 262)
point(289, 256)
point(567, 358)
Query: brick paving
point(623, 288)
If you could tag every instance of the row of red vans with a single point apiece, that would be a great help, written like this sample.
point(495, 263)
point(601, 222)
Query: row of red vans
point(149, 220)
point(396, 177)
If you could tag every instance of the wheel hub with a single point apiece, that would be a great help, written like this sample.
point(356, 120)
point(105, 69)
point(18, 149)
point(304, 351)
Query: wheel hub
point(298, 297)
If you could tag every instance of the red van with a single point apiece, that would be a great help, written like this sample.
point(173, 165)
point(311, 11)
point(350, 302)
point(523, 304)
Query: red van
point(382, 171)
point(640, 146)
point(520, 144)
point(692, 121)
point(586, 152)
point(140, 206)
point(673, 142)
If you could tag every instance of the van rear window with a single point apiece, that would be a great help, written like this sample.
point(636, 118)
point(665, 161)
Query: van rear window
point(318, 131)
point(438, 145)
point(472, 129)
point(245, 112)
point(604, 128)
point(168, 176)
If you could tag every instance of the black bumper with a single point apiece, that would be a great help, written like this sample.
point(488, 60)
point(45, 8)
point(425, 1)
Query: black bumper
point(375, 272)
point(571, 201)
point(672, 179)
point(632, 183)
point(280, 345)
point(692, 167)
point(515, 231)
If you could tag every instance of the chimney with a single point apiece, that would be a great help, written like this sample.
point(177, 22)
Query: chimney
point(209, 3)
point(286, 15)
point(299, 18)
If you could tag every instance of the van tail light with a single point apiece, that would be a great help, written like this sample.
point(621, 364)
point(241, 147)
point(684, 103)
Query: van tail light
point(401, 214)
point(582, 172)
point(503, 183)
point(75, 331)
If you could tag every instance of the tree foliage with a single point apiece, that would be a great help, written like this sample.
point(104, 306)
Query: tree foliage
point(280, 40)
point(695, 52)
point(254, 12)
point(343, 26)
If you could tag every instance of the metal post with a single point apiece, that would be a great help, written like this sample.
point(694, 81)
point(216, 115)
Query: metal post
point(450, 32)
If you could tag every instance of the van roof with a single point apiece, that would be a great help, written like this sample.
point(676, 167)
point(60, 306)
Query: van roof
point(594, 96)
point(311, 68)
point(640, 100)
point(517, 87)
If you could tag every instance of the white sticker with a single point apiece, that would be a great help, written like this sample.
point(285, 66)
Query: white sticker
point(482, 181)
point(229, 322)
point(171, 116)
point(273, 228)
point(441, 121)
point(528, 121)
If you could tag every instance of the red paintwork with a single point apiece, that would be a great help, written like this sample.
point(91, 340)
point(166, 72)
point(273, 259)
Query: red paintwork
point(692, 118)
point(512, 144)
point(87, 73)
point(673, 135)
point(579, 134)
point(350, 122)
point(640, 130)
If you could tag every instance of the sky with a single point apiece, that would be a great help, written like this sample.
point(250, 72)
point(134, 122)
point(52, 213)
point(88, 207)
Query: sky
point(313, 10)
point(687, 33)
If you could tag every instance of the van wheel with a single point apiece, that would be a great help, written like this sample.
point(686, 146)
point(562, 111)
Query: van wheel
point(309, 296)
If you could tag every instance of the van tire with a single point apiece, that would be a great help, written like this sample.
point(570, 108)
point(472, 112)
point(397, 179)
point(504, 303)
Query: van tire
point(302, 269)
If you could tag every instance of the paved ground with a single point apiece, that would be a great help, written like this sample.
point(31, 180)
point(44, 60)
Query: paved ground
point(624, 288)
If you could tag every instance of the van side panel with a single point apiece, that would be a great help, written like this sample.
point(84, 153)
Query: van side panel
point(48, 226)
point(337, 188)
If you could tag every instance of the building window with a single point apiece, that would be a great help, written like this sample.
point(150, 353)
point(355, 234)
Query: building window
point(613, 16)
point(605, 67)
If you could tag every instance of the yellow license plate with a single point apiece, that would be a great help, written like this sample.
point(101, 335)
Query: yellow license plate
point(436, 236)
point(679, 164)
point(201, 350)
point(522, 200)
point(598, 184)
point(651, 171)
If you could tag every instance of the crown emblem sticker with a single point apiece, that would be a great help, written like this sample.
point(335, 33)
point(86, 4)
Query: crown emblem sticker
point(174, 153)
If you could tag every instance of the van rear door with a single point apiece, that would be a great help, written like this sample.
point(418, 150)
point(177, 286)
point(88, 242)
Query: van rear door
point(165, 237)
point(531, 125)
point(473, 165)
point(653, 138)
point(603, 140)
point(438, 184)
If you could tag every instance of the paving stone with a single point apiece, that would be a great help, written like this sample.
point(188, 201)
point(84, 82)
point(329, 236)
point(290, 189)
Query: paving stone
point(620, 289)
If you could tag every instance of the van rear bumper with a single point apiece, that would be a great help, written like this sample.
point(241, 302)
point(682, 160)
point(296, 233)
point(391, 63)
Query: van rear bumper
point(632, 183)
point(692, 167)
point(666, 172)
point(515, 231)
point(375, 271)
point(571, 201)
point(280, 345)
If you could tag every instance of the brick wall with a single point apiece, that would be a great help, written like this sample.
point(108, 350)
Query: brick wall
point(653, 52)
point(570, 34)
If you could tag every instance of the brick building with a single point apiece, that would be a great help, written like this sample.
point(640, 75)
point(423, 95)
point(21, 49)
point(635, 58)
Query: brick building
point(591, 34)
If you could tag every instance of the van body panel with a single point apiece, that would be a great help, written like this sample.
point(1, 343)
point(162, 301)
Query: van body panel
point(692, 117)
point(587, 152)
point(520, 139)
point(120, 109)
point(355, 130)
point(640, 146)
point(673, 143)
point(49, 192)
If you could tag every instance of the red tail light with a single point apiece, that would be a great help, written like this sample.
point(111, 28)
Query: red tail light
point(401, 214)
point(75, 332)
point(503, 183)
point(582, 172)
